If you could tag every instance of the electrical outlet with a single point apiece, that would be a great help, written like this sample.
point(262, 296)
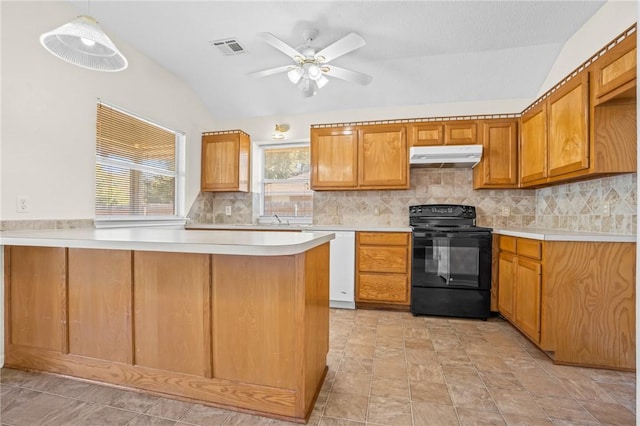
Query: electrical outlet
point(227, 210)
point(606, 209)
point(505, 211)
point(22, 204)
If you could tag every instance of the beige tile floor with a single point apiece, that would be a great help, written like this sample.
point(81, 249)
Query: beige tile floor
point(385, 368)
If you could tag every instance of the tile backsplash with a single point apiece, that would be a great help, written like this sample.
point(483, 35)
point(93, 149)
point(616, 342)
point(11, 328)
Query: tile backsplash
point(574, 206)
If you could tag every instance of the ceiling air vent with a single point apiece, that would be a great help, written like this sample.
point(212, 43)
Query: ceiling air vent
point(228, 46)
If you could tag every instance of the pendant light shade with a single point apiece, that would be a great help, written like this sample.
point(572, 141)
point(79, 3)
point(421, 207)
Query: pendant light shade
point(82, 42)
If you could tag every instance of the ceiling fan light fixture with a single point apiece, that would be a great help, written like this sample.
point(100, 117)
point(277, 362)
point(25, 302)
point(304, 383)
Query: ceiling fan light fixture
point(295, 75)
point(322, 81)
point(308, 87)
point(314, 72)
point(81, 42)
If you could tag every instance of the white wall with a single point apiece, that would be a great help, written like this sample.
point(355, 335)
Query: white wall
point(48, 115)
point(613, 18)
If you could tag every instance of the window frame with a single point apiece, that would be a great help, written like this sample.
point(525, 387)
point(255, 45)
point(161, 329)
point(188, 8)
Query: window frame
point(179, 217)
point(258, 185)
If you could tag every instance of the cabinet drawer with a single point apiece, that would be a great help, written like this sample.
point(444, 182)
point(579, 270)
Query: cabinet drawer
point(460, 133)
point(384, 238)
point(507, 244)
point(383, 288)
point(529, 248)
point(382, 259)
point(426, 134)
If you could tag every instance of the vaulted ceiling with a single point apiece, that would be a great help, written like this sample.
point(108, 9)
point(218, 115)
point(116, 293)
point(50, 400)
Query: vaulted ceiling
point(418, 52)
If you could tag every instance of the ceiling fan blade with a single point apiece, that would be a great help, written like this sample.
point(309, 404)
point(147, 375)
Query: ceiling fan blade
point(345, 74)
point(346, 44)
point(271, 71)
point(280, 45)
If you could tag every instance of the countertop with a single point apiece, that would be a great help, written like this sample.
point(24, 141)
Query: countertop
point(560, 235)
point(172, 240)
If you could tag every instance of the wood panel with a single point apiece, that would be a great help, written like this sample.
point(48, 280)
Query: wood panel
point(312, 309)
point(506, 293)
point(527, 297)
point(617, 67)
point(529, 248)
point(253, 319)
point(384, 238)
point(334, 158)
point(100, 330)
point(220, 162)
point(568, 140)
point(171, 319)
point(591, 293)
point(37, 297)
point(383, 160)
point(383, 259)
point(615, 138)
point(426, 134)
point(533, 146)
point(495, 284)
point(499, 165)
point(383, 288)
point(460, 133)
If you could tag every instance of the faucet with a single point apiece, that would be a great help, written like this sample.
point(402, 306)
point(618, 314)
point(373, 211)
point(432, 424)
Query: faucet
point(277, 218)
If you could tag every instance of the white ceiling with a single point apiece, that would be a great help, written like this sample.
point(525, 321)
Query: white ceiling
point(418, 52)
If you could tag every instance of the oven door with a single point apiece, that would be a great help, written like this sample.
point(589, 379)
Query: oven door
point(451, 260)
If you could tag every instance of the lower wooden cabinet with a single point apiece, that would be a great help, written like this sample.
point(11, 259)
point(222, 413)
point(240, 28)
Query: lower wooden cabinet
point(575, 300)
point(382, 269)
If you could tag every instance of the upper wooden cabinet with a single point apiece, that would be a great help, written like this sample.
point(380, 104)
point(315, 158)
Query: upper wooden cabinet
point(460, 133)
point(568, 118)
point(615, 72)
point(334, 158)
point(225, 161)
point(426, 134)
point(456, 132)
point(499, 165)
point(533, 145)
point(359, 158)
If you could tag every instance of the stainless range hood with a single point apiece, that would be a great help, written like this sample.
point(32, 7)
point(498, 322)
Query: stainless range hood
point(444, 156)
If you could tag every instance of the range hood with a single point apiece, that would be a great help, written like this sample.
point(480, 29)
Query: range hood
point(444, 156)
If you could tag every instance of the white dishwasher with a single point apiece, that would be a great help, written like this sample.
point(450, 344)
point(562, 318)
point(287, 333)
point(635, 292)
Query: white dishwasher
point(342, 270)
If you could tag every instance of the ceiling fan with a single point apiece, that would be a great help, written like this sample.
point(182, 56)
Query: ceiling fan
point(311, 65)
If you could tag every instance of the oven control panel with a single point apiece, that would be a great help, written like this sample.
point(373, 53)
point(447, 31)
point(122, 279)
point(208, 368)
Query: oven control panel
point(443, 210)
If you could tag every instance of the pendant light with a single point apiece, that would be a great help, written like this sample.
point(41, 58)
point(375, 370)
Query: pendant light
point(82, 42)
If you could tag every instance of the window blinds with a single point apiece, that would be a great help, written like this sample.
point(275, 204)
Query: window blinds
point(135, 166)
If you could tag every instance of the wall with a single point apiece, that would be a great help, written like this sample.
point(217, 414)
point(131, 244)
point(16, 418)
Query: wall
point(48, 117)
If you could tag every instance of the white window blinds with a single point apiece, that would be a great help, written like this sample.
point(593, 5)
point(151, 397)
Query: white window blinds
point(136, 167)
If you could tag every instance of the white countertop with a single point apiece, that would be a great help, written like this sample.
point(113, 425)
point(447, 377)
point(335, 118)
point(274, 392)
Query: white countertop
point(560, 235)
point(172, 240)
point(296, 227)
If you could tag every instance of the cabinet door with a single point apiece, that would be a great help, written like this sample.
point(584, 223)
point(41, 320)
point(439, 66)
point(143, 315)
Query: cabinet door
point(506, 284)
point(383, 160)
point(616, 69)
point(460, 133)
point(383, 288)
point(37, 297)
point(527, 297)
point(426, 134)
point(568, 140)
point(499, 165)
point(533, 146)
point(334, 158)
point(220, 162)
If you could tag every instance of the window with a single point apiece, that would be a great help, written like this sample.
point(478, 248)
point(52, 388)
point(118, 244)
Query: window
point(285, 182)
point(139, 168)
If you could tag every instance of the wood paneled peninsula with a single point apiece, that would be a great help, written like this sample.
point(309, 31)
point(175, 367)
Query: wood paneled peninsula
point(234, 319)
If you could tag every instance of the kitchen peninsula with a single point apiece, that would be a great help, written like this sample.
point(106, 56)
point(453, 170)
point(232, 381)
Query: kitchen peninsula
point(229, 318)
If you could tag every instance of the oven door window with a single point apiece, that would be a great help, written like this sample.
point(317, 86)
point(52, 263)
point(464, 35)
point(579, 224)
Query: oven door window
point(449, 262)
